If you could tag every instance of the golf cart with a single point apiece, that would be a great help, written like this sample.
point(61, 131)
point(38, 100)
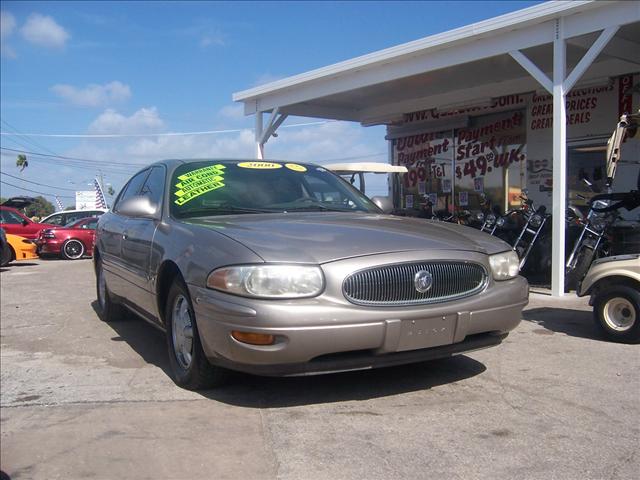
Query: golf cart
point(614, 282)
point(354, 173)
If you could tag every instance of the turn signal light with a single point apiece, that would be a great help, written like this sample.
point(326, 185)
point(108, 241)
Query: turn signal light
point(253, 338)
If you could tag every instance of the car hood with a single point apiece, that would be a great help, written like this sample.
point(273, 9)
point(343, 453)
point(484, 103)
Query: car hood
point(325, 237)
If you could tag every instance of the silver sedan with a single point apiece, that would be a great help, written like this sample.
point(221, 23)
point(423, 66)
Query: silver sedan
point(279, 268)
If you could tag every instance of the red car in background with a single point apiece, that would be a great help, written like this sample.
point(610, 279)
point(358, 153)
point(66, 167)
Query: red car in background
point(73, 241)
point(15, 222)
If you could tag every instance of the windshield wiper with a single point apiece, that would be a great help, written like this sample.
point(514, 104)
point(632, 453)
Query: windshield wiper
point(316, 208)
point(225, 210)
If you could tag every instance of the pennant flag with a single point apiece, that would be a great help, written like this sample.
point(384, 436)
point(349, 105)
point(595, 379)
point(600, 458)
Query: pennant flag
point(100, 200)
point(59, 204)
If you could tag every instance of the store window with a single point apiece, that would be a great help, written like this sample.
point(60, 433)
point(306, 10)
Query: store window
point(586, 171)
point(429, 160)
point(490, 161)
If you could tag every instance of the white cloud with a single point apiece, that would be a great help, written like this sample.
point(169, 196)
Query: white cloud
point(212, 38)
point(7, 26)
point(232, 112)
point(145, 120)
point(315, 143)
point(94, 95)
point(266, 78)
point(43, 30)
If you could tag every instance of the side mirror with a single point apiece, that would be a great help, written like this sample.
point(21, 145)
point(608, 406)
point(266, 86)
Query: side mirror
point(384, 203)
point(25, 223)
point(139, 206)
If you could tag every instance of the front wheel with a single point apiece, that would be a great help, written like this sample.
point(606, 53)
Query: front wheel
point(108, 309)
point(72, 249)
point(191, 369)
point(617, 313)
point(6, 255)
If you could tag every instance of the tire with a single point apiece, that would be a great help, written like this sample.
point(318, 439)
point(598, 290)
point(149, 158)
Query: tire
point(6, 256)
point(617, 313)
point(190, 367)
point(72, 249)
point(575, 275)
point(108, 309)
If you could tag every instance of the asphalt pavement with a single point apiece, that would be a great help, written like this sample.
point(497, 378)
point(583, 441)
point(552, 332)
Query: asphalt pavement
point(80, 398)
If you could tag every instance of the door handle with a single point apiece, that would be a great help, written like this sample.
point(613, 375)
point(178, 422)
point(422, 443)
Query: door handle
point(124, 235)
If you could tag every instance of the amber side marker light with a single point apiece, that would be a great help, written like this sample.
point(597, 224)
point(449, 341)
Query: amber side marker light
point(253, 338)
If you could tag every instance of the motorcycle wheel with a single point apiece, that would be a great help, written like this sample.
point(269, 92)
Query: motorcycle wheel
point(575, 275)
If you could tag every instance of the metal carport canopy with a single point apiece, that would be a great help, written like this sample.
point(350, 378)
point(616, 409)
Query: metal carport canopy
point(550, 47)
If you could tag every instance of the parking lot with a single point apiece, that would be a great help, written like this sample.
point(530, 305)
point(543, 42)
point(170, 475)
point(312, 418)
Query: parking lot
point(85, 399)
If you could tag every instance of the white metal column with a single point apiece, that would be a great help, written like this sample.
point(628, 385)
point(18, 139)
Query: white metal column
point(559, 193)
point(258, 136)
point(263, 134)
point(559, 87)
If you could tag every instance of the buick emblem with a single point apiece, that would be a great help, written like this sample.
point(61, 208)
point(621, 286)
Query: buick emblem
point(423, 281)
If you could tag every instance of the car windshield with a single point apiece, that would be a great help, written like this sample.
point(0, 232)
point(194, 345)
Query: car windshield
point(75, 223)
point(230, 188)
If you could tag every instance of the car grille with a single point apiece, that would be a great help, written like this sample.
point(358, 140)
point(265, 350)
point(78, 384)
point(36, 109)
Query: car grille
point(394, 284)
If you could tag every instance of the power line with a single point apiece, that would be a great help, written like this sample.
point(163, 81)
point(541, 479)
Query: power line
point(145, 135)
point(99, 162)
point(26, 139)
point(36, 183)
point(35, 191)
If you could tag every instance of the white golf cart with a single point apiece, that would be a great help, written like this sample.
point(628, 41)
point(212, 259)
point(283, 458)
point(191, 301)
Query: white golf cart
point(355, 173)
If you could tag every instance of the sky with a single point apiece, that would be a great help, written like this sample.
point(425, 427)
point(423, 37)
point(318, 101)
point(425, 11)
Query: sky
point(87, 68)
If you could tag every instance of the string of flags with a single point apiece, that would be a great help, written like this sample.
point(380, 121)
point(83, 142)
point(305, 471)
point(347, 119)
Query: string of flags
point(100, 200)
point(59, 204)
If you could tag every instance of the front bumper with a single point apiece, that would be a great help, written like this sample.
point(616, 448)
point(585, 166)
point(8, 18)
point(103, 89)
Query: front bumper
point(49, 246)
point(327, 333)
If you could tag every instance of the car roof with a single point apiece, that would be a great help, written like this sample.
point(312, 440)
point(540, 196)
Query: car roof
point(18, 202)
point(78, 211)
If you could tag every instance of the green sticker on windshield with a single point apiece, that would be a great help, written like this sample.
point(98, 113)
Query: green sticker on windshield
point(198, 182)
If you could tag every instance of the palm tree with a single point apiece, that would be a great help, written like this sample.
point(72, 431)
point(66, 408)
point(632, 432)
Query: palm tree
point(22, 162)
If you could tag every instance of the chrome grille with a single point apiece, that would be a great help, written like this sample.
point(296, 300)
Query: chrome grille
point(394, 284)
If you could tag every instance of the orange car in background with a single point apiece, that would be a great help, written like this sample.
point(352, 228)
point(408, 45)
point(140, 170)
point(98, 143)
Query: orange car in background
point(16, 248)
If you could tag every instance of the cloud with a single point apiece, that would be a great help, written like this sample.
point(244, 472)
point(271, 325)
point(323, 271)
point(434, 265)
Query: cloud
point(232, 112)
point(266, 78)
point(7, 26)
point(93, 95)
point(212, 38)
point(43, 30)
point(145, 120)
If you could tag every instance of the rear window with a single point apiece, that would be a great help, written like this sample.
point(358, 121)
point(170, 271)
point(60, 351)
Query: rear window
point(224, 188)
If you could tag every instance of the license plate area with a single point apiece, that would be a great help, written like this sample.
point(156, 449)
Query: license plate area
point(426, 333)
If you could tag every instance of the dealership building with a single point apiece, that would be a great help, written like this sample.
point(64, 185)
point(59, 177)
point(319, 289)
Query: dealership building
point(526, 100)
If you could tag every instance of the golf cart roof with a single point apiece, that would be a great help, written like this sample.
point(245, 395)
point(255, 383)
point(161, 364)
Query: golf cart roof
point(365, 167)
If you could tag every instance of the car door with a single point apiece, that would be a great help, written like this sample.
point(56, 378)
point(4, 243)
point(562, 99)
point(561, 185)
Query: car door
point(137, 251)
point(15, 223)
point(111, 228)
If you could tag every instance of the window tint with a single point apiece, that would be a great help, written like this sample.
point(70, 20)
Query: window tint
point(154, 186)
point(10, 217)
point(229, 188)
point(55, 219)
point(132, 188)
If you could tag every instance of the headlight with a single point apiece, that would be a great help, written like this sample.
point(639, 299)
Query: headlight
point(504, 265)
point(480, 217)
point(491, 219)
point(268, 281)
point(536, 221)
point(500, 222)
point(598, 223)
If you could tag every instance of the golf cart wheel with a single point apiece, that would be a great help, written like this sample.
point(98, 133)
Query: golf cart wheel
point(617, 313)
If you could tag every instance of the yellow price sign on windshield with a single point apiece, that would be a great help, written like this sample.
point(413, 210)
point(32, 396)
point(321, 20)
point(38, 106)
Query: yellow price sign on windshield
point(198, 182)
point(260, 165)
